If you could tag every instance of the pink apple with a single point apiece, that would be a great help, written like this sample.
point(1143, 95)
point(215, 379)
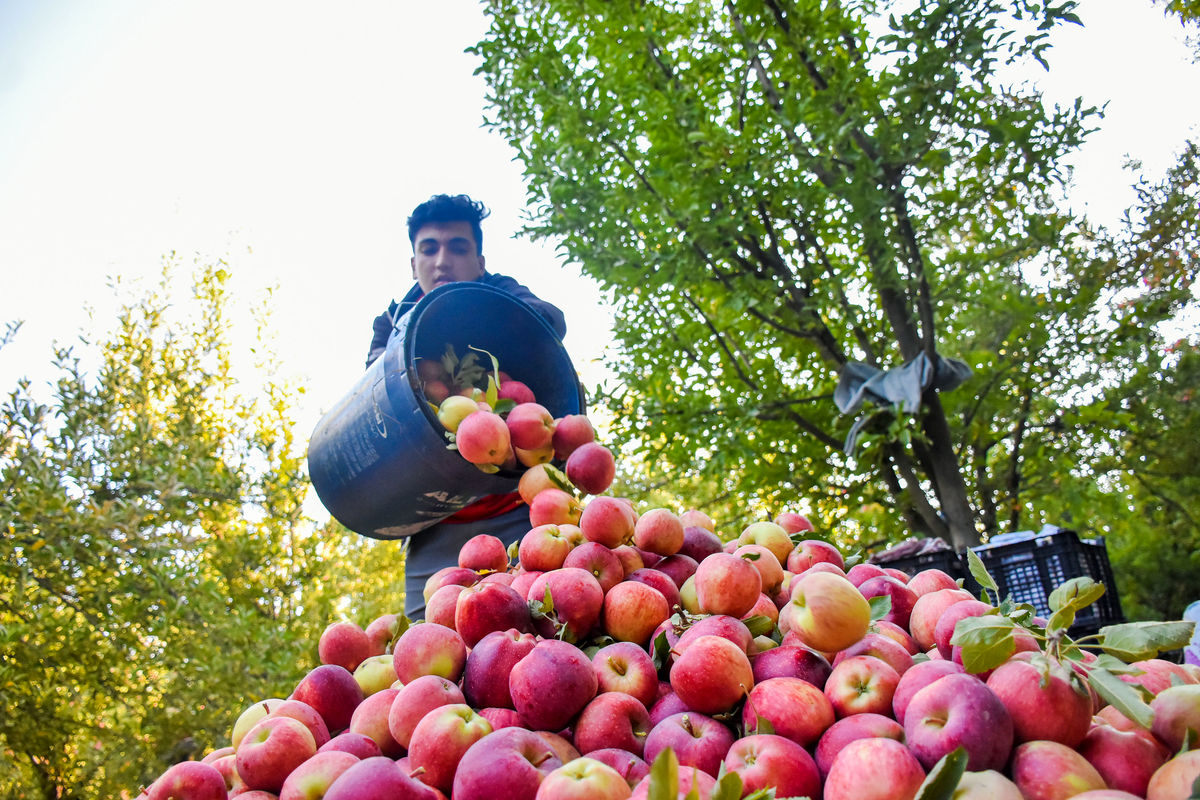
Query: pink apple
point(430, 649)
point(727, 584)
point(577, 598)
point(712, 675)
point(344, 644)
point(485, 678)
point(358, 745)
point(928, 609)
point(813, 551)
point(630, 767)
point(484, 553)
point(513, 758)
point(917, 678)
point(861, 685)
point(227, 766)
point(441, 606)
point(766, 761)
point(371, 719)
point(1175, 778)
point(626, 667)
point(698, 741)
point(552, 684)
point(333, 692)
point(850, 729)
point(827, 611)
point(630, 558)
point(903, 598)
point(584, 779)
point(633, 610)
point(543, 548)
point(722, 625)
point(1176, 711)
point(415, 700)
point(1046, 700)
point(554, 507)
point(530, 426)
point(439, 741)
point(1052, 771)
point(304, 714)
point(446, 576)
point(699, 542)
point(600, 561)
point(659, 581)
point(482, 438)
point(959, 711)
point(312, 779)
point(943, 631)
point(694, 784)
point(896, 633)
point(795, 709)
point(485, 608)
point(608, 521)
point(791, 661)
point(1125, 759)
point(659, 531)
point(874, 769)
point(930, 580)
point(591, 468)
point(793, 522)
point(271, 750)
point(612, 719)
point(516, 391)
point(570, 433)
point(882, 647)
point(769, 569)
point(863, 571)
point(193, 780)
point(378, 778)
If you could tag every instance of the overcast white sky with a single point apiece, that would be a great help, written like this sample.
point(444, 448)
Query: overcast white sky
point(294, 138)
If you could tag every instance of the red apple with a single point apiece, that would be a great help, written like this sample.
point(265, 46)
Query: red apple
point(928, 609)
point(959, 711)
point(484, 553)
point(577, 598)
point(765, 761)
point(882, 647)
point(485, 608)
point(795, 709)
point(371, 719)
point(544, 548)
point(850, 729)
point(917, 678)
point(793, 522)
point(507, 764)
point(439, 741)
point(1126, 760)
point(430, 649)
point(482, 438)
point(659, 531)
point(1045, 699)
point(271, 750)
point(930, 580)
point(600, 561)
point(630, 767)
point(626, 667)
point(485, 678)
point(378, 778)
point(612, 719)
point(358, 745)
point(333, 692)
point(712, 675)
point(903, 598)
point(874, 769)
point(698, 741)
point(791, 661)
point(763, 560)
point(943, 631)
point(727, 584)
point(344, 644)
point(570, 433)
point(530, 426)
point(861, 685)
point(188, 780)
point(415, 700)
point(552, 684)
point(813, 551)
point(1176, 711)
point(1052, 771)
point(633, 610)
point(591, 468)
point(554, 507)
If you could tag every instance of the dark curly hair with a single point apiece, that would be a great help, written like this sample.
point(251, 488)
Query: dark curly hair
point(446, 208)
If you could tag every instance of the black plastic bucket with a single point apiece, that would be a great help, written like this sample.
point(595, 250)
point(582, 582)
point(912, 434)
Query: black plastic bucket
point(378, 458)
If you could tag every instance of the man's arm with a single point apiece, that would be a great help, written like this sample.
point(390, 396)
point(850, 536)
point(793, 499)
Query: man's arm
point(549, 312)
point(381, 329)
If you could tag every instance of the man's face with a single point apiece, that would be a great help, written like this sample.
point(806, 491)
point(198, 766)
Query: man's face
point(445, 252)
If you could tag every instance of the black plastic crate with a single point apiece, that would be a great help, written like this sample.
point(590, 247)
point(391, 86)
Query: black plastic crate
point(1031, 569)
point(947, 561)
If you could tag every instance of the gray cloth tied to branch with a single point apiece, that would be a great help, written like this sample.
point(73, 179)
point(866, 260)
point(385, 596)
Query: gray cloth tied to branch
point(902, 386)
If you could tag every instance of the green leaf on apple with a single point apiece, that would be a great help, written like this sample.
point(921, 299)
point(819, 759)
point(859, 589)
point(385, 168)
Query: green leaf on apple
point(729, 787)
point(1195, 795)
point(664, 777)
point(1070, 598)
point(986, 641)
point(1137, 641)
point(1123, 696)
point(760, 625)
point(980, 574)
point(943, 779)
point(502, 407)
point(559, 479)
point(881, 606)
point(662, 652)
point(1189, 741)
point(763, 726)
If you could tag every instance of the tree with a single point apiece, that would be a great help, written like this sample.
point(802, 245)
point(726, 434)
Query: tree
point(773, 191)
point(157, 573)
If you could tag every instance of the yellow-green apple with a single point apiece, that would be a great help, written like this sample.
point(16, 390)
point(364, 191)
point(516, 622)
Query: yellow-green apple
point(356, 744)
point(697, 739)
point(874, 769)
point(791, 661)
point(598, 560)
point(375, 674)
point(928, 609)
point(483, 553)
point(1046, 700)
point(769, 569)
point(882, 647)
point(851, 729)
point(554, 507)
point(584, 779)
point(1174, 780)
point(442, 605)
point(608, 521)
point(577, 599)
point(626, 667)
point(1052, 771)
point(378, 778)
point(861, 685)
point(551, 684)
point(570, 433)
point(827, 611)
point(1176, 711)
point(371, 719)
point(530, 426)
point(986, 784)
point(193, 780)
point(312, 779)
point(250, 717)
point(439, 741)
point(793, 707)
point(917, 678)
point(454, 409)
point(531, 458)
point(345, 644)
point(1125, 759)
point(958, 711)
point(902, 597)
point(631, 768)
point(612, 719)
point(1104, 794)
point(485, 679)
point(712, 675)
point(632, 611)
point(513, 759)
point(429, 649)
point(792, 522)
point(768, 535)
point(727, 584)
point(943, 631)
point(484, 608)
point(591, 468)
point(415, 700)
point(482, 438)
point(687, 596)
point(698, 519)
point(659, 531)
point(333, 692)
point(813, 551)
point(764, 761)
point(271, 750)
point(543, 547)
point(930, 580)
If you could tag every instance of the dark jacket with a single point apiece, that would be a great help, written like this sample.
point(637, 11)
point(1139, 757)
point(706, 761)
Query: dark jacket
point(385, 323)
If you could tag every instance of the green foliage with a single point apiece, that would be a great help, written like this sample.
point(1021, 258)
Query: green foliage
point(769, 191)
point(157, 573)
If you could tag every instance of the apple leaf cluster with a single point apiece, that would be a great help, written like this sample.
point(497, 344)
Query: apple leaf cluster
point(152, 525)
point(770, 192)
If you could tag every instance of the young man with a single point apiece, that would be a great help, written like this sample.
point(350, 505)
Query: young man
point(447, 242)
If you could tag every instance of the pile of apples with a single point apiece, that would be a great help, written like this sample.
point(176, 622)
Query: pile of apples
point(619, 652)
